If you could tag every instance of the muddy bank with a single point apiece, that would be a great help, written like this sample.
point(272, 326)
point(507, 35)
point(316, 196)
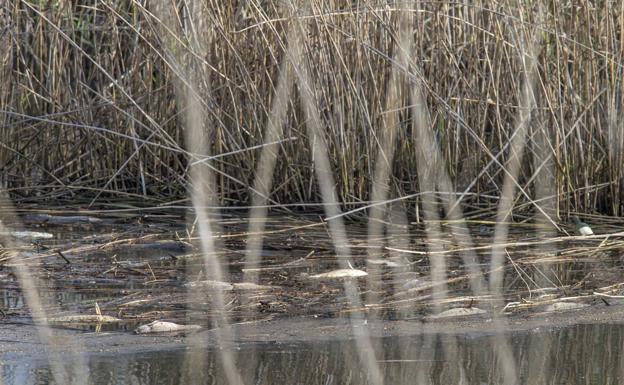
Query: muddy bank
point(135, 273)
point(20, 338)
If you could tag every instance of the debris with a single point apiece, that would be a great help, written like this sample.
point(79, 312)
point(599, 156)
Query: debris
point(582, 227)
point(84, 319)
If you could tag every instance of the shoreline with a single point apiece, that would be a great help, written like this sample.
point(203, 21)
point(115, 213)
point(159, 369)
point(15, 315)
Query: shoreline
point(20, 339)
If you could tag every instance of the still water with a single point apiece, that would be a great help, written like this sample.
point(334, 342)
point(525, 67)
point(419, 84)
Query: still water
point(582, 354)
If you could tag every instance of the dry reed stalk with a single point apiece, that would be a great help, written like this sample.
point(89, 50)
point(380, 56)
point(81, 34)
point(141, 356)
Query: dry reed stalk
point(325, 178)
point(105, 66)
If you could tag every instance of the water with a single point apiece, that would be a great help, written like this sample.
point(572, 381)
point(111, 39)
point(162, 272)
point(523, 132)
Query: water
point(582, 354)
point(115, 277)
point(150, 263)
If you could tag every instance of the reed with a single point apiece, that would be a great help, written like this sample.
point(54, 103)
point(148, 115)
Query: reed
point(463, 111)
point(89, 108)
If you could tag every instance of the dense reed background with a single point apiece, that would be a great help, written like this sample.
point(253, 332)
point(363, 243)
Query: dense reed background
point(88, 105)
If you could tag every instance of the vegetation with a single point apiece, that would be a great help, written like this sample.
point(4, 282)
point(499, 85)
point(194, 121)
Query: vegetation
point(88, 103)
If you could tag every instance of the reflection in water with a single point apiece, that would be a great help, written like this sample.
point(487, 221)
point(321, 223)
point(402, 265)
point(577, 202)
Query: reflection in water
point(582, 354)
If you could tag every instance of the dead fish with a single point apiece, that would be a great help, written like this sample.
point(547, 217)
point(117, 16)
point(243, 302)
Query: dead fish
point(164, 327)
point(340, 274)
point(563, 306)
point(210, 284)
point(458, 312)
point(226, 286)
point(28, 235)
point(83, 319)
point(249, 286)
point(389, 263)
point(60, 220)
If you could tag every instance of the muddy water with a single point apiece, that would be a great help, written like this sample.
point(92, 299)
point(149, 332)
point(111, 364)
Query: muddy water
point(137, 272)
point(134, 277)
point(582, 354)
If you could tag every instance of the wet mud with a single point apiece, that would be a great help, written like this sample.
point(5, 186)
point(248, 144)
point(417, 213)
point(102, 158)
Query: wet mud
point(105, 277)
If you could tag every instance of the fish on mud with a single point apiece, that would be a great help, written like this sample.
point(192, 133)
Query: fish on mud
point(226, 286)
point(60, 220)
point(165, 327)
point(340, 274)
point(28, 235)
point(564, 306)
point(210, 284)
point(387, 262)
point(458, 312)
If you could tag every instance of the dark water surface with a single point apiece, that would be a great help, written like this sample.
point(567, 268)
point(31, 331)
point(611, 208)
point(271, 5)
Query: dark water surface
point(582, 354)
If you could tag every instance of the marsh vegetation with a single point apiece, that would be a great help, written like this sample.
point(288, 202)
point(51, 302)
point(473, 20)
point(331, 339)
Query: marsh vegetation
point(436, 151)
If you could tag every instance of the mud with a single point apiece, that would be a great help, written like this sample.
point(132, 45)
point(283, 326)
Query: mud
point(141, 272)
point(21, 338)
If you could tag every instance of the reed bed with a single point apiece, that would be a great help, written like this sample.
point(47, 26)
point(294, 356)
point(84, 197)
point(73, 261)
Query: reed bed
point(88, 105)
point(424, 118)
